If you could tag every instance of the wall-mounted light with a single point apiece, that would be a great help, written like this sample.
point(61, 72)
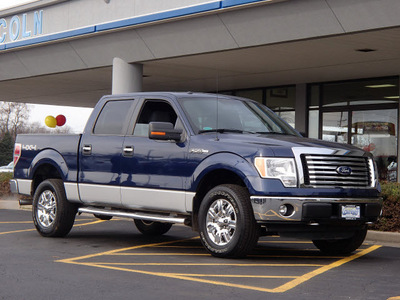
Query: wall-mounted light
point(379, 86)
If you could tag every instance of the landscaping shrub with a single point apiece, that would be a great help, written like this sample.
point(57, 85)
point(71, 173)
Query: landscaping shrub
point(4, 184)
point(390, 220)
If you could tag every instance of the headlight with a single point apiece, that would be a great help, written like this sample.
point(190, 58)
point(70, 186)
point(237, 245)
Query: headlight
point(283, 169)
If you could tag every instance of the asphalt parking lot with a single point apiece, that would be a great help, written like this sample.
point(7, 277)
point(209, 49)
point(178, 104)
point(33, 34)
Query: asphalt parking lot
point(111, 259)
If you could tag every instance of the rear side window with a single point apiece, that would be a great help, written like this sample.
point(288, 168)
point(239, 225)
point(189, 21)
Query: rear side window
point(113, 118)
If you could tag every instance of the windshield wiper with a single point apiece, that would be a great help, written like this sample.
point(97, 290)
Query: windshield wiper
point(221, 130)
point(274, 132)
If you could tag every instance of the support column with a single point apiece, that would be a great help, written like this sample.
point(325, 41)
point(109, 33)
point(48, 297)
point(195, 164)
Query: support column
point(126, 78)
point(301, 117)
point(398, 138)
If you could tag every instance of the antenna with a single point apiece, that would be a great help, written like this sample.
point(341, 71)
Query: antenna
point(217, 134)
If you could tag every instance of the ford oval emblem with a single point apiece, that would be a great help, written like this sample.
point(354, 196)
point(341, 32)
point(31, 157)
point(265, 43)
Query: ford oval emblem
point(344, 170)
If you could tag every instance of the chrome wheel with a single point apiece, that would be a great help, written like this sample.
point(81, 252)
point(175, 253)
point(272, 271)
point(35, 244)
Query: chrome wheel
point(46, 208)
point(221, 222)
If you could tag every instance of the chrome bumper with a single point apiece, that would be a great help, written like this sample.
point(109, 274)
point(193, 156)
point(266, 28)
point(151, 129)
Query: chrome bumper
point(267, 208)
point(14, 186)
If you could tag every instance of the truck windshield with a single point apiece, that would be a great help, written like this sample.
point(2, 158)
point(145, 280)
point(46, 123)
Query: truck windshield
point(232, 115)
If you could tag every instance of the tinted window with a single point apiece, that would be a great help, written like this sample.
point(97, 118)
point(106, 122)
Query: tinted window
point(154, 111)
point(210, 114)
point(113, 118)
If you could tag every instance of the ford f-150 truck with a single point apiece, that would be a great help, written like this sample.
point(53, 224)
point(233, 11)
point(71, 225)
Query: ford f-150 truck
point(228, 167)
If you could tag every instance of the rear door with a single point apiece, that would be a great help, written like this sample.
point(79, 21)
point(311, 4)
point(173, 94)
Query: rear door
point(101, 154)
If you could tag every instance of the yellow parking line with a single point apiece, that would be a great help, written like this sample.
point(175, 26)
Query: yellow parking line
point(296, 280)
point(233, 276)
point(90, 223)
point(27, 230)
point(16, 231)
point(16, 222)
point(111, 252)
point(207, 264)
point(161, 254)
point(323, 269)
point(286, 242)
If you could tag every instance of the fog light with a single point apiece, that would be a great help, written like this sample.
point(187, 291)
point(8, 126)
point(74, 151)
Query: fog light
point(286, 210)
point(283, 210)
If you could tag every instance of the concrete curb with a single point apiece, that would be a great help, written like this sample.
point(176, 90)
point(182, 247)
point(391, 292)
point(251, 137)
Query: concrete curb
point(391, 239)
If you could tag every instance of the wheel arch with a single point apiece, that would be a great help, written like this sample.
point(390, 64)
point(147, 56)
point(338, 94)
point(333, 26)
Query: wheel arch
point(220, 169)
point(48, 164)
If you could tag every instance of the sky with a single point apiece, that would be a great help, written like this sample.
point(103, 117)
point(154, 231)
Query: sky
point(76, 116)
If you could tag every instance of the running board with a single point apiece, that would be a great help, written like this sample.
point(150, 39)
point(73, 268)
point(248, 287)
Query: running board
point(133, 215)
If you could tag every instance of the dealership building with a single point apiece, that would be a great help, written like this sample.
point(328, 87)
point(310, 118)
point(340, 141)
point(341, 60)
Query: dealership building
point(330, 68)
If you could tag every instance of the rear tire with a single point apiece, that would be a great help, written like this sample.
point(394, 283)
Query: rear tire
point(226, 222)
point(152, 228)
point(344, 246)
point(52, 214)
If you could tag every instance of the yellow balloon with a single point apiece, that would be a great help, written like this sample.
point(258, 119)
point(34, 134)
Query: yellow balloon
point(50, 121)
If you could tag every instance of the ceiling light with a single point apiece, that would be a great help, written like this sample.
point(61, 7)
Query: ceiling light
point(378, 86)
point(392, 97)
point(365, 50)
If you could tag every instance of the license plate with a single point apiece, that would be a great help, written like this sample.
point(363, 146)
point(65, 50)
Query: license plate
point(351, 212)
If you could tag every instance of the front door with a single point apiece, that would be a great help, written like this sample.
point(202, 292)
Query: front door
point(153, 172)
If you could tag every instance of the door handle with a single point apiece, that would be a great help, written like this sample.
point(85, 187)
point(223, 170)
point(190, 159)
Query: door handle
point(128, 151)
point(87, 149)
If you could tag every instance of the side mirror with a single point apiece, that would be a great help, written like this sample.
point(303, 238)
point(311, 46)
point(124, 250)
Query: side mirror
point(164, 131)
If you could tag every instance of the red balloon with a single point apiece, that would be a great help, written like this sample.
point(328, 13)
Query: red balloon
point(61, 120)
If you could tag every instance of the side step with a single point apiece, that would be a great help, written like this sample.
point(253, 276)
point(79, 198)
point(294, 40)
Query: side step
point(133, 215)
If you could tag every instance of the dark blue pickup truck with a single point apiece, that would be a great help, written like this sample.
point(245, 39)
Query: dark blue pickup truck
point(228, 167)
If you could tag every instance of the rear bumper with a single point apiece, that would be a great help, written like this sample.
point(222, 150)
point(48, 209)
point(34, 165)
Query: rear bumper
point(21, 186)
point(14, 186)
point(311, 209)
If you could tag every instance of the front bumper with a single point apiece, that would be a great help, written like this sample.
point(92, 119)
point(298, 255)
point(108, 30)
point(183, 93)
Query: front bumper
point(312, 209)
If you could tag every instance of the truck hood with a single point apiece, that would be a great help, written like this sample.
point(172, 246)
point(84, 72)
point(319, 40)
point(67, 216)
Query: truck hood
point(282, 145)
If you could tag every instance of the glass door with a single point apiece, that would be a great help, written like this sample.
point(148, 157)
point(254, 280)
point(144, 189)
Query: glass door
point(335, 126)
point(375, 131)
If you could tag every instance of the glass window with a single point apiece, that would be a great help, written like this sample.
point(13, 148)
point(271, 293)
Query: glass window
point(313, 124)
point(256, 95)
point(376, 131)
point(288, 116)
point(153, 111)
point(281, 98)
point(334, 128)
point(361, 92)
point(314, 95)
point(113, 118)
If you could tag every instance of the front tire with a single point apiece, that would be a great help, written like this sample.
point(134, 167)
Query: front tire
point(152, 228)
point(52, 214)
point(226, 222)
point(343, 246)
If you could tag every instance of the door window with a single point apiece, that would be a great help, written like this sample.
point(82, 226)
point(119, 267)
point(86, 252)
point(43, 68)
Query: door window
point(154, 111)
point(113, 118)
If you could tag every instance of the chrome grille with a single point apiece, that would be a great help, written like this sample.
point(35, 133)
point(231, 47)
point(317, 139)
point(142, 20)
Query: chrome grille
point(322, 171)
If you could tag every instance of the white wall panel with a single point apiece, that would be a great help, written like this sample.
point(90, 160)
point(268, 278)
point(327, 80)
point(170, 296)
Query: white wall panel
point(195, 35)
point(100, 50)
point(291, 20)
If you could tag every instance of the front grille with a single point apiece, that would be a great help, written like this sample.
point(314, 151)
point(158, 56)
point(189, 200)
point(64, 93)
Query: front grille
point(322, 171)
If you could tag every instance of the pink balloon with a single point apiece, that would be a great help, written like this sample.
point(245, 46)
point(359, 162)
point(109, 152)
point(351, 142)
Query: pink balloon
point(61, 120)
